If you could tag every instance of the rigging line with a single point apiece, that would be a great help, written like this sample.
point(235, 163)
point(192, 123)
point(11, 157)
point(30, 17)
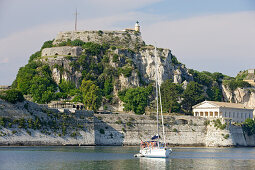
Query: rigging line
point(164, 136)
point(156, 71)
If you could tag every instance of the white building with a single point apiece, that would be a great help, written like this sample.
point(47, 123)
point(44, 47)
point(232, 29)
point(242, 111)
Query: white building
point(237, 112)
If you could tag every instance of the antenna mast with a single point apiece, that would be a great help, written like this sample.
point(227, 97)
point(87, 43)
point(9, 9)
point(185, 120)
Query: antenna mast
point(75, 26)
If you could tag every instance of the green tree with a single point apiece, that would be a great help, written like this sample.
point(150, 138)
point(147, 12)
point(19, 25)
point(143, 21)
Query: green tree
point(34, 56)
point(135, 99)
point(192, 95)
point(91, 95)
point(249, 126)
point(171, 93)
point(108, 87)
point(24, 77)
point(66, 86)
point(43, 89)
point(214, 93)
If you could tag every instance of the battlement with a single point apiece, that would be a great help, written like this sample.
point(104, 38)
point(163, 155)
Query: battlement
point(126, 38)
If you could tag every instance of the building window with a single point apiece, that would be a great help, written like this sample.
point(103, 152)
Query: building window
point(201, 114)
point(206, 114)
point(216, 114)
point(211, 114)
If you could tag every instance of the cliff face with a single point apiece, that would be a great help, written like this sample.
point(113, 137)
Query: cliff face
point(240, 95)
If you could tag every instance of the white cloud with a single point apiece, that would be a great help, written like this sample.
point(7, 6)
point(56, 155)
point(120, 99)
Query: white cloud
point(222, 43)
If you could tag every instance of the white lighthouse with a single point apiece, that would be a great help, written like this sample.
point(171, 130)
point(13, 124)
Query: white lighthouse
point(137, 27)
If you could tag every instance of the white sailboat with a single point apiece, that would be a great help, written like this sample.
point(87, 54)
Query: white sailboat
point(156, 149)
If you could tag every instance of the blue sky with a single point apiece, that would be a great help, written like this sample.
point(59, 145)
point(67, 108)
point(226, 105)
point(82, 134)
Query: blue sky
point(211, 35)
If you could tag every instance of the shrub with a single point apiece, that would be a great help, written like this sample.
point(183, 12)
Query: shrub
point(102, 131)
point(115, 58)
point(105, 59)
point(234, 84)
point(74, 134)
point(219, 125)
point(77, 42)
point(113, 47)
point(100, 32)
point(126, 71)
point(28, 132)
point(118, 121)
point(47, 44)
point(206, 122)
point(34, 56)
point(131, 119)
point(12, 96)
point(124, 130)
point(226, 136)
point(26, 106)
point(175, 130)
point(249, 126)
point(129, 124)
point(14, 132)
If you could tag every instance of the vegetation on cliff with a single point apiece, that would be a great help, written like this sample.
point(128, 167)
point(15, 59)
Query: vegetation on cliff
point(101, 68)
point(135, 99)
point(12, 96)
point(249, 126)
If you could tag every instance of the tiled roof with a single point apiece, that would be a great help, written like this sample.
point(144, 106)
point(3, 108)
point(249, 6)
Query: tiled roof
point(230, 105)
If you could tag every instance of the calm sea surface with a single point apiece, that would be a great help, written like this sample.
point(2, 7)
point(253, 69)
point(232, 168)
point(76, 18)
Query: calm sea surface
point(108, 157)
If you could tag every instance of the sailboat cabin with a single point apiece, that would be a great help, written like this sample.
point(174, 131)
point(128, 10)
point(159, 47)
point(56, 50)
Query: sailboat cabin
point(212, 109)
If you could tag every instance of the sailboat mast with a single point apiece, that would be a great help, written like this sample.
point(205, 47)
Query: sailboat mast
point(164, 136)
point(156, 65)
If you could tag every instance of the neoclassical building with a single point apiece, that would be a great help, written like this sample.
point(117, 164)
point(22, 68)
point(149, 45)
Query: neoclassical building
point(237, 112)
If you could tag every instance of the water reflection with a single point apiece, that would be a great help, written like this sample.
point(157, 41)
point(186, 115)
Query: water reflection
point(153, 163)
point(122, 158)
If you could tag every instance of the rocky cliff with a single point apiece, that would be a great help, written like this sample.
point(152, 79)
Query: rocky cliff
point(240, 95)
point(131, 61)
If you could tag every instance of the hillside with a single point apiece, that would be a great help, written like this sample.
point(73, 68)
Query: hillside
point(115, 71)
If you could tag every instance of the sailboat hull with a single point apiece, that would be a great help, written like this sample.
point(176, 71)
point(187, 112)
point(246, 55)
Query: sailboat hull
point(156, 152)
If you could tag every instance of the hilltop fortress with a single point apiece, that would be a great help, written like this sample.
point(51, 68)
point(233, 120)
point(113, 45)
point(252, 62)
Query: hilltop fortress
point(128, 38)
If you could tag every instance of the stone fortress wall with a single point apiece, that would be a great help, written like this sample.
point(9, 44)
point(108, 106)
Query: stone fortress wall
point(62, 51)
point(127, 39)
point(180, 131)
point(126, 129)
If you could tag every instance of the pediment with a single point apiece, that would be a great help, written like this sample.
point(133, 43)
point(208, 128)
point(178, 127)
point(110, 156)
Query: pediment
point(205, 104)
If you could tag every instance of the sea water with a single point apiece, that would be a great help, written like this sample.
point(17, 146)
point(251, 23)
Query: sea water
point(113, 157)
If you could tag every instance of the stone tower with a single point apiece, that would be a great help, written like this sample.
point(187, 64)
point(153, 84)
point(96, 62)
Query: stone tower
point(137, 27)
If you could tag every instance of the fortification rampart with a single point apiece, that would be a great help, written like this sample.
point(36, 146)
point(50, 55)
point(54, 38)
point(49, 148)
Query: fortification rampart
point(128, 39)
point(117, 129)
point(62, 51)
